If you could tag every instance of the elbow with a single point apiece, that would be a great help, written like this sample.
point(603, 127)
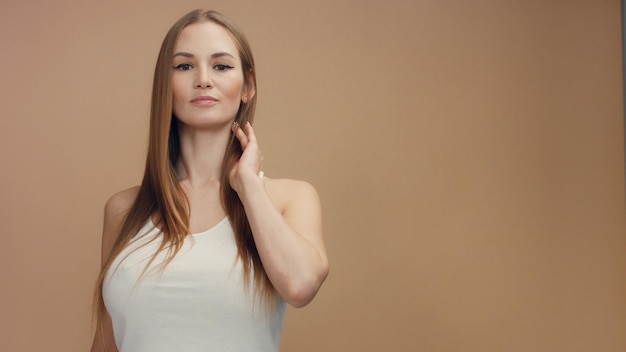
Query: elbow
point(302, 292)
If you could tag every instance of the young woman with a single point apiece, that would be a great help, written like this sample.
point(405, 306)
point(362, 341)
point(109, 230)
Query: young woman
point(203, 255)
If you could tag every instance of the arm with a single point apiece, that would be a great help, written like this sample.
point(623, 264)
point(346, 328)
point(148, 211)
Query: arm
point(114, 213)
point(285, 218)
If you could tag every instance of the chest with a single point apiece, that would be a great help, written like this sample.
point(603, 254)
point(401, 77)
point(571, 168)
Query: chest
point(204, 277)
point(205, 209)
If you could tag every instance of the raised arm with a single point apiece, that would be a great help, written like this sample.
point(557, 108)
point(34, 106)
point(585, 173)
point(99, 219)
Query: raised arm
point(286, 222)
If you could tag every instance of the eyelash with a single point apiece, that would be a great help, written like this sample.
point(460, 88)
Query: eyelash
point(222, 67)
point(183, 67)
point(187, 67)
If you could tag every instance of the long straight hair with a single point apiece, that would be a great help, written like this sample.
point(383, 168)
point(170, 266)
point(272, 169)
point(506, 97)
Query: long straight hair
point(160, 192)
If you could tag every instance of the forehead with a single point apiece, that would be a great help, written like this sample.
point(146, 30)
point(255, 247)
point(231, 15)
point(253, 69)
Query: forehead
point(205, 38)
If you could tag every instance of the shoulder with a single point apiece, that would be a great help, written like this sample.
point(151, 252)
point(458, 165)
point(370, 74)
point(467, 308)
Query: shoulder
point(115, 211)
point(117, 207)
point(287, 193)
point(120, 202)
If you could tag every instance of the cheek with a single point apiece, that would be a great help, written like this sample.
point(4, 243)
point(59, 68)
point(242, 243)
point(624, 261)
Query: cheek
point(234, 87)
point(176, 88)
point(233, 92)
point(177, 93)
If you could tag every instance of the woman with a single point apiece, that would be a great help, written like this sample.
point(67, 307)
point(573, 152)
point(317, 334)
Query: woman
point(203, 255)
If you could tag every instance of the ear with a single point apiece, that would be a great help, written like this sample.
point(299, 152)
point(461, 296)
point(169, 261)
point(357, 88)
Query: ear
point(249, 89)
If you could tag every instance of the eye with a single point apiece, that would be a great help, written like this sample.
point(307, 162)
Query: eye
point(222, 67)
point(183, 67)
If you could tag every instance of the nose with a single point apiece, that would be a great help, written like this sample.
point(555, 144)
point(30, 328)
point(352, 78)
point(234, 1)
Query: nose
point(203, 79)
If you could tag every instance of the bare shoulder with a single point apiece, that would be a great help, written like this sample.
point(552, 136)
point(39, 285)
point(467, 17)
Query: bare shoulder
point(115, 211)
point(286, 193)
point(120, 202)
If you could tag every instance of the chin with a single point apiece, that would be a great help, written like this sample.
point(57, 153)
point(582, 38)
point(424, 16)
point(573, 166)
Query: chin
point(204, 122)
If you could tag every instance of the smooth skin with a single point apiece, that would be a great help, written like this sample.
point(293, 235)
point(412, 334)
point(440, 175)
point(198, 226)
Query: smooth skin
point(284, 215)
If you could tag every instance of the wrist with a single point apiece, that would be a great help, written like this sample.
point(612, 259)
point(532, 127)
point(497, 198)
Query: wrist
point(251, 182)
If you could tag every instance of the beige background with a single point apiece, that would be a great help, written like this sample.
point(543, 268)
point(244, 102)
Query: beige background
point(469, 155)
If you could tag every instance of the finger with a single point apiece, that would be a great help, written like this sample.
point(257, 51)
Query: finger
point(250, 133)
point(241, 136)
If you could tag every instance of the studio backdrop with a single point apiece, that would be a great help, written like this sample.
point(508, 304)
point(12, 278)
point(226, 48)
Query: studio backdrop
point(469, 156)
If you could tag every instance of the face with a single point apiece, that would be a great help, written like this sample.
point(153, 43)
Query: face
point(207, 79)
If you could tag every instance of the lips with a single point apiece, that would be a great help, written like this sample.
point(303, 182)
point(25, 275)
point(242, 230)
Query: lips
point(204, 100)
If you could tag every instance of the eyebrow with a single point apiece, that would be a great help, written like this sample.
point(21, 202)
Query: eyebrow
point(213, 56)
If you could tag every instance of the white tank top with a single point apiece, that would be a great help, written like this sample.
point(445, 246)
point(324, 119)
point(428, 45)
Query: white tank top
point(197, 303)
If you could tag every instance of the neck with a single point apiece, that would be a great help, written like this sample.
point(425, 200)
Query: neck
point(201, 155)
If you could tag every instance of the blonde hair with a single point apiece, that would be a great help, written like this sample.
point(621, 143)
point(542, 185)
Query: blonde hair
point(160, 192)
